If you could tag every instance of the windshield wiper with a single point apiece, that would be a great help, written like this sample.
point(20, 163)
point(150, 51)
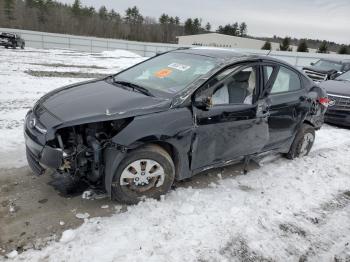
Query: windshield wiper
point(134, 87)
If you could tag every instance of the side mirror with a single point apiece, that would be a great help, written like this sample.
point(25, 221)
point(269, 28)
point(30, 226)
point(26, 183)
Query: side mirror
point(203, 103)
point(312, 63)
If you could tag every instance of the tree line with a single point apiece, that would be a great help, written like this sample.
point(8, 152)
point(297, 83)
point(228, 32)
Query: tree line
point(57, 17)
point(76, 19)
point(324, 47)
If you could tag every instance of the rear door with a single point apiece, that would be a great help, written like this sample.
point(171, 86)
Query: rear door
point(286, 94)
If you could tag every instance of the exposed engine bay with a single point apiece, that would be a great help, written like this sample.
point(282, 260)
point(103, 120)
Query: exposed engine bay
point(83, 146)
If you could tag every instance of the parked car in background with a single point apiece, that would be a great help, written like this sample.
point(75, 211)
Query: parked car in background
point(338, 91)
point(171, 117)
point(11, 40)
point(327, 69)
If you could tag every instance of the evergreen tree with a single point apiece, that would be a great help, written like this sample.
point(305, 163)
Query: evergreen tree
point(285, 46)
point(163, 19)
point(171, 20)
point(208, 27)
point(243, 29)
point(230, 29)
point(343, 50)
point(267, 46)
point(323, 48)
point(177, 20)
point(76, 8)
point(9, 6)
point(196, 25)
point(302, 47)
point(235, 29)
point(133, 16)
point(103, 12)
point(188, 26)
point(114, 16)
point(42, 14)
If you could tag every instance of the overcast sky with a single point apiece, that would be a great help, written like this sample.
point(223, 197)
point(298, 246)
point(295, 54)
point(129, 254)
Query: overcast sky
point(317, 19)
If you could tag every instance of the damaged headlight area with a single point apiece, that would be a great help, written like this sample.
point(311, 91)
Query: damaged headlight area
point(82, 147)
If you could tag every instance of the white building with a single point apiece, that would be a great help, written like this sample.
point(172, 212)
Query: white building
point(227, 41)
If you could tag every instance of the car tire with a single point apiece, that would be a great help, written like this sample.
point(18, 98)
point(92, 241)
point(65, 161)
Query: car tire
point(125, 188)
point(303, 142)
point(22, 45)
point(6, 46)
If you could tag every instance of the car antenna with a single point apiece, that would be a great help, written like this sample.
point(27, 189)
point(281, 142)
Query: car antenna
point(269, 52)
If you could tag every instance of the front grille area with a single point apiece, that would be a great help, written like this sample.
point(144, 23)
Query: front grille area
point(33, 163)
point(316, 76)
point(341, 102)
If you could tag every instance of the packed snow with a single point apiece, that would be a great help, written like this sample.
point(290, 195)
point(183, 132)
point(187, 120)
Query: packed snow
point(284, 211)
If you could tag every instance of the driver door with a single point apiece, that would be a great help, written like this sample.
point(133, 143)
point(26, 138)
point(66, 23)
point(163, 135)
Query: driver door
point(236, 122)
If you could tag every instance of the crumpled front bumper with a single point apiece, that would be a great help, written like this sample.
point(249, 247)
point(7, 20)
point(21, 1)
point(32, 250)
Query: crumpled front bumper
point(39, 155)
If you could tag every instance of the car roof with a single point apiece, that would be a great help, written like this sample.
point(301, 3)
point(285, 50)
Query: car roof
point(218, 53)
point(228, 55)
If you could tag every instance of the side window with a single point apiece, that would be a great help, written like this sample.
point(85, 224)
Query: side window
point(236, 88)
point(286, 81)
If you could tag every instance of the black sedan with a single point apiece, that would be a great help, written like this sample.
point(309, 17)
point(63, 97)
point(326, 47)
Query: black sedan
point(11, 40)
point(171, 117)
point(339, 94)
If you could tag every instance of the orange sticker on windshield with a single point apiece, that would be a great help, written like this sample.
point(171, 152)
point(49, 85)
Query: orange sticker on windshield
point(163, 73)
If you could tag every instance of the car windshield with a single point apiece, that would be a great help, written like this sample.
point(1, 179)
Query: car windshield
point(169, 73)
point(344, 77)
point(328, 65)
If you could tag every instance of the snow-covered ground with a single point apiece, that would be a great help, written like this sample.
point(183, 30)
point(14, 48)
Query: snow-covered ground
point(284, 211)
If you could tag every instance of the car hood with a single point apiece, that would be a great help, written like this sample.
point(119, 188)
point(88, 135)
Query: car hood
point(316, 69)
point(98, 101)
point(336, 87)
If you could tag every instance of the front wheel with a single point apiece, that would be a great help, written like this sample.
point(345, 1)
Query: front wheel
point(303, 142)
point(147, 172)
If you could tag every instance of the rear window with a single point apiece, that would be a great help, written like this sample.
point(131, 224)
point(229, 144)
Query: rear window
point(170, 72)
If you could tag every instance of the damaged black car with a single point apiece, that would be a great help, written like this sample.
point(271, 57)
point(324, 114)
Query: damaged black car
point(11, 40)
point(171, 117)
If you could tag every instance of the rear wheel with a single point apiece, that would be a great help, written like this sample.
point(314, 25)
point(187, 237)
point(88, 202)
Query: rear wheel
point(146, 172)
point(22, 45)
point(303, 142)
